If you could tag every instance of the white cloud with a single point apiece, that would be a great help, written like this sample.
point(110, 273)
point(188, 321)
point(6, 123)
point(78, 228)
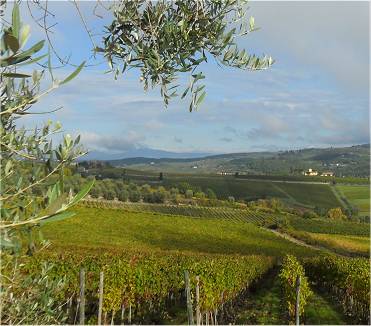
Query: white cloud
point(111, 144)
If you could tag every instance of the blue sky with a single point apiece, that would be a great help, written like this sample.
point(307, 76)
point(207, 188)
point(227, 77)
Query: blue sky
point(316, 94)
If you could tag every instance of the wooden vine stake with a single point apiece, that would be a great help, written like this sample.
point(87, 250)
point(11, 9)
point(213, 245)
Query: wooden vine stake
point(189, 301)
point(82, 297)
point(297, 305)
point(112, 317)
point(122, 313)
point(101, 278)
point(198, 313)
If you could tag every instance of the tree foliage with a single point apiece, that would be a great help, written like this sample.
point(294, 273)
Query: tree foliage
point(167, 38)
point(32, 190)
point(29, 150)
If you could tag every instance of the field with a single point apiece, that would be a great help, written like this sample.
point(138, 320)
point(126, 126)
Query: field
point(106, 229)
point(332, 227)
point(358, 196)
point(349, 245)
point(304, 194)
point(259, 217)
point(144, 253)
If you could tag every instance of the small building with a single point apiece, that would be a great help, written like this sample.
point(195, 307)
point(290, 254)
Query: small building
point(327, 174)
point(311, 172)
point(225, 173)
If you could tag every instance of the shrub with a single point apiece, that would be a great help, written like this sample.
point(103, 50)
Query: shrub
point(336, 214)
point(210, 194)
point(200, 195)
point(310, 214)
point(189, 194)
point(134, 196)
point(123, 195)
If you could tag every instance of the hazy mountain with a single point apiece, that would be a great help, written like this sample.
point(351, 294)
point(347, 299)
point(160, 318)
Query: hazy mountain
point(141, 152)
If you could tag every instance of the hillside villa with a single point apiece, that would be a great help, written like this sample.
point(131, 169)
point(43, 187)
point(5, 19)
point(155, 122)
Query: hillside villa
point(310, 172)
point(327, 174)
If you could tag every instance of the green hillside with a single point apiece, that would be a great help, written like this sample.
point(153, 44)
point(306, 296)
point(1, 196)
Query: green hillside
point(304, 194)
point(357, 195)
point(107, 229)
point(344, 161)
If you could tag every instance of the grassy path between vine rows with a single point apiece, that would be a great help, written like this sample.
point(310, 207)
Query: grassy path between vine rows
point(264, 306)
point(340, 245)
point(299, 242)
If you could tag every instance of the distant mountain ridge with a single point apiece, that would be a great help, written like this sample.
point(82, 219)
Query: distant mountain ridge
point(142, 153)
point(351, 161)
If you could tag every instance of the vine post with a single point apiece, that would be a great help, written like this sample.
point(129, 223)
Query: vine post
point(122, 313)
point(101, 279)
point(188, 295)
point(198, 313)
point(297, 305)
point(82, 296)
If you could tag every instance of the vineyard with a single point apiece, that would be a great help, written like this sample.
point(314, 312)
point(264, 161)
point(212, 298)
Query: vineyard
point(144, 253)
point(232, 214)
point(257, 216)
point(106, 229)
point(347, 279)
point(318, 225)
point(305, 194)
point(149, 285)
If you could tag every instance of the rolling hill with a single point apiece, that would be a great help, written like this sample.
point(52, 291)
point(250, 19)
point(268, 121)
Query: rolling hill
point(343, 161)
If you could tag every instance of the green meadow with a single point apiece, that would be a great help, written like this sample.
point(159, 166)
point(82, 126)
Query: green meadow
point(358, 196)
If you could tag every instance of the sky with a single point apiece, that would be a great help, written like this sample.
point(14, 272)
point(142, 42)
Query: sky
point(315, 95)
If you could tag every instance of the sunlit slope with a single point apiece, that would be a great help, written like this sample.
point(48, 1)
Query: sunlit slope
point(105, 229)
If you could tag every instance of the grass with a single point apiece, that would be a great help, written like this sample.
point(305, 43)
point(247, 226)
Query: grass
point(265, 307)
point(105, 229)
point(322, 311)
point(357, 195)
point(342, 244)
point(311, 194)
point(360, 245)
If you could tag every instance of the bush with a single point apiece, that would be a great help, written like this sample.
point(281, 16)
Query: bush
point(189, 194)
point(200, 195)
point(134, 196)
point(336, 214)
point(159, 196)
point(310, 214)
point(291, 269)
point(109, 194)
point(123, 195)
point(210, 194)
